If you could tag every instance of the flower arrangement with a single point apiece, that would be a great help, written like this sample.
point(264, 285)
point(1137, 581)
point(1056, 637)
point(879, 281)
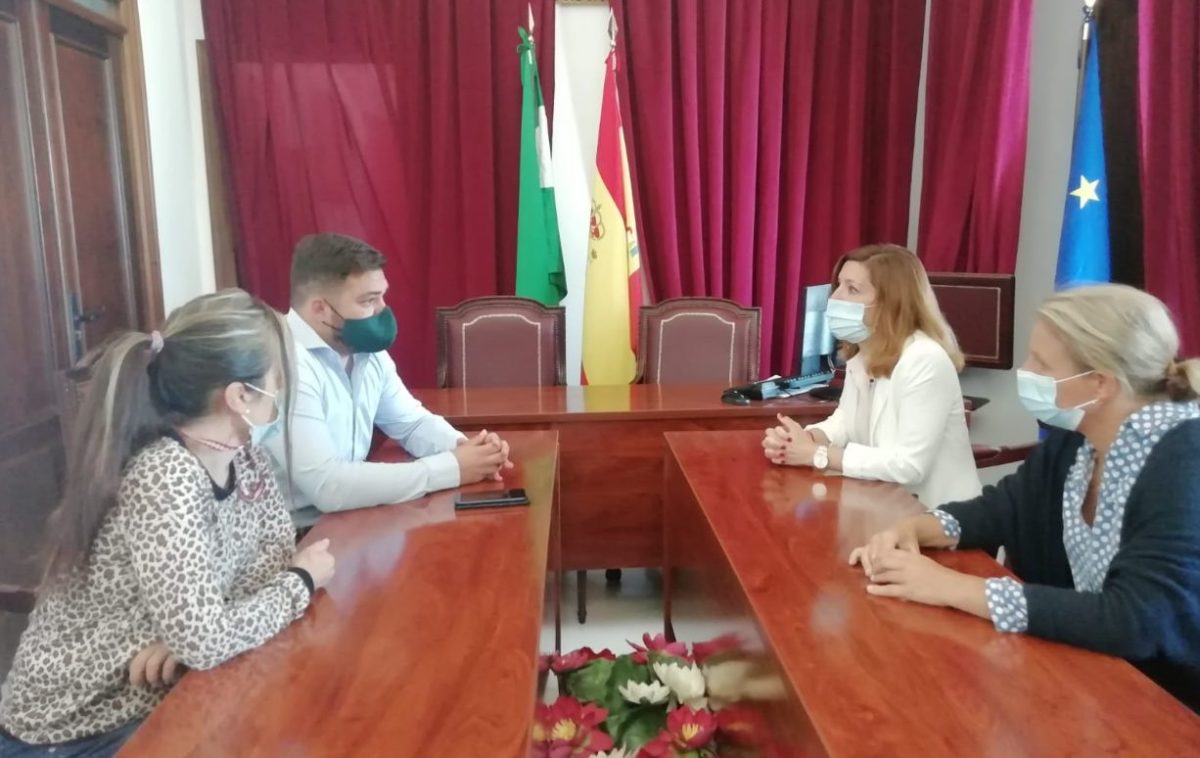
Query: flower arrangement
point(661, 700)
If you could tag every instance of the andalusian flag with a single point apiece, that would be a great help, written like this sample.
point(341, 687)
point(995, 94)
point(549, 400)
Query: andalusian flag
point(614, 281)
point(540, 272)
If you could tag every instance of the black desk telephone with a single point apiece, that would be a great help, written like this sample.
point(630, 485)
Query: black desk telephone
point(776, 386)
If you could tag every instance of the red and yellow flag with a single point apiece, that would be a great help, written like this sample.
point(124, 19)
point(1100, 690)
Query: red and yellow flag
point(613, 292)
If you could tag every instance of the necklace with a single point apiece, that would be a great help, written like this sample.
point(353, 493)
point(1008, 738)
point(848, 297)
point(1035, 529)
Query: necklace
point(252, 492)
point(210, 444)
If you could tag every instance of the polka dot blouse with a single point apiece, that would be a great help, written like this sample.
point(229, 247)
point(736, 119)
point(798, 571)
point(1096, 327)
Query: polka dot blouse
point(1090, 548)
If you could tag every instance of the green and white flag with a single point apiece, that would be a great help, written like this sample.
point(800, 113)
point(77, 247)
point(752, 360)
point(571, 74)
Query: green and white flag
point(540, 273)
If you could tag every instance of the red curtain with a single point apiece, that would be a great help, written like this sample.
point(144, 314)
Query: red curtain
point(976, 118)
point(395, 121)
point(766, 139)
point(1169, 115)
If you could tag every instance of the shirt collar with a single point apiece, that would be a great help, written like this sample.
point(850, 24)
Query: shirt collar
point(1160, 417)
point(304, 334)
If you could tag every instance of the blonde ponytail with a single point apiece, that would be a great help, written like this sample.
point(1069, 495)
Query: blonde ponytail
point(1183, 380)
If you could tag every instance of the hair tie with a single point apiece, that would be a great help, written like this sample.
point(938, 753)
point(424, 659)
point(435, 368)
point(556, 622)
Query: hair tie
point(156, 342)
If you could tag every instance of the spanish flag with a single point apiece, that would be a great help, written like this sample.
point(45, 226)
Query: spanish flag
point(613, 291)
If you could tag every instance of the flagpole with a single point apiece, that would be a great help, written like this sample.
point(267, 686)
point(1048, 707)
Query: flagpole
point(1089, 15)
point(531, 37)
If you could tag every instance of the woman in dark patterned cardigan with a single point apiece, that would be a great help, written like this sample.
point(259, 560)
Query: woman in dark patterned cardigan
point(1102, 522)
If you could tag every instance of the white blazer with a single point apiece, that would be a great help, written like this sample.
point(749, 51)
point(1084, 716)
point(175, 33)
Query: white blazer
point(918, 426)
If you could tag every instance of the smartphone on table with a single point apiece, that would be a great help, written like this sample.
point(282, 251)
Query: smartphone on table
point(490, 499)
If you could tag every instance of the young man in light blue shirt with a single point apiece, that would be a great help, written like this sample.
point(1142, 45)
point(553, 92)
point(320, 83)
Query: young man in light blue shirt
point(346, 386)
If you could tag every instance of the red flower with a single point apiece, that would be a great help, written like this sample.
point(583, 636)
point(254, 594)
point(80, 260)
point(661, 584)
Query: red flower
point(687, 729)
point(658, 644)
point(659, 747)
point(691, 728)
point(577, 659)
point(567, 728)
point(544, 663)
point(702, 651)
point(739, 725)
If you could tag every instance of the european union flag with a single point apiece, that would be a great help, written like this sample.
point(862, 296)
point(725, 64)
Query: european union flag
point(1083, 251)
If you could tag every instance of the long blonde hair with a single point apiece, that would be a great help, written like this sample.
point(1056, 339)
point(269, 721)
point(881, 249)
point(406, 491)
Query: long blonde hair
point(1125, 332)
point(904, 304)
point(137, 394)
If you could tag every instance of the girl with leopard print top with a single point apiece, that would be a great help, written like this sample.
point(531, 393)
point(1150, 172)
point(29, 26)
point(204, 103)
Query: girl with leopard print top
point(172, 545)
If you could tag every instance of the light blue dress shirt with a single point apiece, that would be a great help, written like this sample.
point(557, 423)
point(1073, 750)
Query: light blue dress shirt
point(332, 423)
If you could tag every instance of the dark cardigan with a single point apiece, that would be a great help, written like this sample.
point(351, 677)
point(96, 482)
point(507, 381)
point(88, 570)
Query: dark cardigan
point(1149, 609)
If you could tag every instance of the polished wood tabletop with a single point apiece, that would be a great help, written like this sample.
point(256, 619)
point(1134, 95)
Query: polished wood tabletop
point(761, 551)
point(425, 643)
point(503, 405)
point(611, 448)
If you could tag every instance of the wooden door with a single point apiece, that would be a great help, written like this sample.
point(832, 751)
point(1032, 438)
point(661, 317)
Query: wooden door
point(77, 249)
point(96, 242)
point(31, 458)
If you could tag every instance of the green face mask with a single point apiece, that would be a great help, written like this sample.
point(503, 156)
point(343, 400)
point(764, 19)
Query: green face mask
point(368, 335)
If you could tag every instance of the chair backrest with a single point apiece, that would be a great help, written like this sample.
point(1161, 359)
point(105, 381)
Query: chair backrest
point(987, 456)
point(501, 342)
point(979, 308)
point(690, 340)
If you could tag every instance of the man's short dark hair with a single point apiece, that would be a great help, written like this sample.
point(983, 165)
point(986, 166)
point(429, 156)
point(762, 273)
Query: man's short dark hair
point(327, 259)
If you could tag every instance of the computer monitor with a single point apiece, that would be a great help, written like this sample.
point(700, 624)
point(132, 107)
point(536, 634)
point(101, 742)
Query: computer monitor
point(817, 345)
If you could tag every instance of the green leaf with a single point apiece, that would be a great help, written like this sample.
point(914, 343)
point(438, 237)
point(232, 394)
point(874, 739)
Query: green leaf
point(590, 683)
point(657, 657)
point(639, 726)
point(624, 669)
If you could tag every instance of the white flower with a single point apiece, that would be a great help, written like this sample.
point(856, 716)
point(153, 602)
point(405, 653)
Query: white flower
point(687, 682)
point(640, 692)
point(731, 681)
point(727, 679)
point(616, 752)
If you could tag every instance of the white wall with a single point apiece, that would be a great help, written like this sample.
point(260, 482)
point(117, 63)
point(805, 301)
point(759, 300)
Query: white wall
point(169, 30)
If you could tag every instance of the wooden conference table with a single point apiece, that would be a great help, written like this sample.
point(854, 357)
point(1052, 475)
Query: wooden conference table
point(611, 451)
point(760, 552)
point(425, 643)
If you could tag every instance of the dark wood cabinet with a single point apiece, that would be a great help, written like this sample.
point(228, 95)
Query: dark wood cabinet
point(78, 253)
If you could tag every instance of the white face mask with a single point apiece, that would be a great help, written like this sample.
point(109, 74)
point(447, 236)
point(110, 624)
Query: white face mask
point(1039, 395)
point(846, 321)
point(260, 432)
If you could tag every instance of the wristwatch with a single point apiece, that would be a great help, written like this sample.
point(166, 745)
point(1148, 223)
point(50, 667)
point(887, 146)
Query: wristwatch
point(821, 458)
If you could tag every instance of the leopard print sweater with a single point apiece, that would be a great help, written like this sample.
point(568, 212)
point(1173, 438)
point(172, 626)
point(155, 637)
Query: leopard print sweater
point(171, 562)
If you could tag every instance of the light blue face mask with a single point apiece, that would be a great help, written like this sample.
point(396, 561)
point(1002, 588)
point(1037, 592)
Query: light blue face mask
point(846, 321)
point(1039, 395)
point(260, 432)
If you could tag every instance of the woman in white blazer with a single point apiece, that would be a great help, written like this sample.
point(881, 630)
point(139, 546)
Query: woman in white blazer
point(901, 417)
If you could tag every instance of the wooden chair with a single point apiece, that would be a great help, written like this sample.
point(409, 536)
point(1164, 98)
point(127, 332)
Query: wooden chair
point(691, 340)
point(17, 600)
point(987, 456)
point(979, 308)
point(501, 342)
